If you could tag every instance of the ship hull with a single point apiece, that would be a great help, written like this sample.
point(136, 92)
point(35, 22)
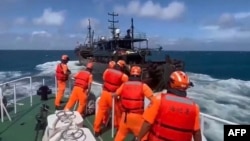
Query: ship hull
point(151, 73)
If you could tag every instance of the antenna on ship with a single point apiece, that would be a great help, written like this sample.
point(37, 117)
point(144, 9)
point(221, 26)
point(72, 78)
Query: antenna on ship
point(132, 28)
point(89, 34)
point(113, 21)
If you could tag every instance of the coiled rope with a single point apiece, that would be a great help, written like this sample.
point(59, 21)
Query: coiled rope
point(71, 132)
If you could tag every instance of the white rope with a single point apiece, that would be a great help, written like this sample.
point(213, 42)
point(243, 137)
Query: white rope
point(71, 131)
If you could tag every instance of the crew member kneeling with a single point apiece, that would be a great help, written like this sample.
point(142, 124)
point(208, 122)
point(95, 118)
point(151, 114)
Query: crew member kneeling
point(172, 116)
point(82, 86)
point(132, 95)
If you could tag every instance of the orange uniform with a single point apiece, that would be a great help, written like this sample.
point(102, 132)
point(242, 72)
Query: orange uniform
point(62, 73)
point(112, 80)
point(132, 95)
point(172, 118)
point(83, 81)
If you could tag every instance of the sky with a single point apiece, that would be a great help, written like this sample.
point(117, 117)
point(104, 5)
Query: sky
point(173, 24)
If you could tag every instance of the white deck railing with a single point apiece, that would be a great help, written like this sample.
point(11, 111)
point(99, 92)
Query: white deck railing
point(3, 108)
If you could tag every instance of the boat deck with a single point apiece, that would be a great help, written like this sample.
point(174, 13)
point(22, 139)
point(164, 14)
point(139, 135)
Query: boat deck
point(23, 124)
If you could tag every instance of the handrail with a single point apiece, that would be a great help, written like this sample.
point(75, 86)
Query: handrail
point(99, 84)
point(3, 109)
point(202, 114)
point(12, 81)
point(23, 78)
point(218, 119)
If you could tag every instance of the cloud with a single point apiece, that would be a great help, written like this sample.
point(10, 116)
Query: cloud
point(242, 15)
point(173, 11)
point(49, 17)
point(39, 40)
point(45, 40)
point(229, 27)
point(96, 26)
point(20, 21)
point(187, 44)
point(4, 26)
point(41, 33)
point(93, 21)
point(229, 34)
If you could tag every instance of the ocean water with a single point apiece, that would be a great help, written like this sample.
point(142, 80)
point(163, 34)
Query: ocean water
point(222, 80)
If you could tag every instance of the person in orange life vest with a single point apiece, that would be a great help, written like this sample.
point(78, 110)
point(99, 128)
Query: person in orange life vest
point(106, 117)
point(111, 64)
point(113, 78)
point(81, 89)
point(62, 75)
point(172, 116)
point(132, 95)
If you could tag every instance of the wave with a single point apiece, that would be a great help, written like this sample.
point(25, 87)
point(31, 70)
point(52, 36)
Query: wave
point(227, 99)
point(8, 75)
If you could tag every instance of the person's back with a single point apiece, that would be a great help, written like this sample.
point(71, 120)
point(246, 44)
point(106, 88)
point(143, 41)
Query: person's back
point(113, 79)
point(81, 89)
point(173, 116)
point(132, 95)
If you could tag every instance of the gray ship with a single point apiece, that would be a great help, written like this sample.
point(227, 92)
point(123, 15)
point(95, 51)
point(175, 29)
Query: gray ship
point(132, 48)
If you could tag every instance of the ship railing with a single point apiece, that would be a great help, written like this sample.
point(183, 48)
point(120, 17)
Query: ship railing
point(137, 35)
point(203, 118)
point(15, 90)
point(12, 84)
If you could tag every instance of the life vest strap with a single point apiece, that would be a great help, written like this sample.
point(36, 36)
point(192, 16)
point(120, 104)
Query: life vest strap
point(159, 136)
point(129, 111)
point(133, 99)
point(174, 128)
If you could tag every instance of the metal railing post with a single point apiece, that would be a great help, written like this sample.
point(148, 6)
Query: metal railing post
point(202, 122)
point(15, 97)
point(31, 100)
point(43, 81)
point(55, 86)
point(3, 108)
point(1, 103)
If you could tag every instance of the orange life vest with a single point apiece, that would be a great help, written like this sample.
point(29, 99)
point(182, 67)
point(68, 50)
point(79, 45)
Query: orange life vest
point(132, 98)
point(112, 80)
point(82, 79)
point(60, 74)
point(175, 120)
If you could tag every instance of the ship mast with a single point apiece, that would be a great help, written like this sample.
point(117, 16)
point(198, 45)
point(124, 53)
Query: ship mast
point(113, 21)
point(132, 28)
point(89, 34)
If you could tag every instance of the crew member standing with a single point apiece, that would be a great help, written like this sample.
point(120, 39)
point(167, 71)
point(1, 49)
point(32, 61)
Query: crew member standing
point(113, 78)
point(132, 95)
point(172, 116)
point(111, 64)
point(82, 87)
point(62, 75)
point(105, 120)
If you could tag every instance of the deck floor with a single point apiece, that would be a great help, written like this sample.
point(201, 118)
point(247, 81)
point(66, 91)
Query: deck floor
point(22, 126)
